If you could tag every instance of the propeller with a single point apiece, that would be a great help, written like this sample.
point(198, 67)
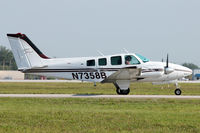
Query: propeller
point(167, 61)
point(167, 69)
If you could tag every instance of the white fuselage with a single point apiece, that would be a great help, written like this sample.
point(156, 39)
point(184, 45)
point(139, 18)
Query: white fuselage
point(78, 69)
point(120, 69)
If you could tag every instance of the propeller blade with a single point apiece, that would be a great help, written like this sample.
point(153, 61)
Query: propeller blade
point(167, 61)
point(167, 69)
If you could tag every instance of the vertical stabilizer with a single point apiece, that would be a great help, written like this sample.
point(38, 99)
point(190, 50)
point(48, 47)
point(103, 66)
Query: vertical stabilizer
point(26, 54)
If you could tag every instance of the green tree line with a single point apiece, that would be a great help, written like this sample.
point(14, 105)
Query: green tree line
point(190, 65)
point(7, 61)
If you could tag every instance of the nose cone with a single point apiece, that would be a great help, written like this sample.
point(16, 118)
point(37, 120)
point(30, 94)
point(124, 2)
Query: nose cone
point(187, 71)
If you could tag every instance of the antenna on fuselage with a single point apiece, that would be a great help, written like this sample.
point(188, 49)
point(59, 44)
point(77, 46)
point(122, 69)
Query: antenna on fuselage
point(100, 53)
point(125, 50)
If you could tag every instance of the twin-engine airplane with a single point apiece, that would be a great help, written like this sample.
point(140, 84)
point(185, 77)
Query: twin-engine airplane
point(119, 69)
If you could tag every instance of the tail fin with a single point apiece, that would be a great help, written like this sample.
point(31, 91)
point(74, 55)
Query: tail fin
point(26, 54)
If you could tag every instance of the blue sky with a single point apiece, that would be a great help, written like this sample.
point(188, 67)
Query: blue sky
point(68, 28)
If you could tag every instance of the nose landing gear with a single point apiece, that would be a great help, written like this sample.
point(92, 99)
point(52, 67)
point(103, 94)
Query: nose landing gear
point(178, 90)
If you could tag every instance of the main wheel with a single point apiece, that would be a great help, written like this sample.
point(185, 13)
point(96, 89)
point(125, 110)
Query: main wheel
point(122, 92)
point(177, 92)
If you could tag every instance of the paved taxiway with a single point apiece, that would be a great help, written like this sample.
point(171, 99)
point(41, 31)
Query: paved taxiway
point(97, 96)
point(75, 81)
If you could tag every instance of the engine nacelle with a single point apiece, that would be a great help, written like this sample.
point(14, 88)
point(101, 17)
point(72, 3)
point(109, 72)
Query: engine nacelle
point(152, 74)
point(169, 70)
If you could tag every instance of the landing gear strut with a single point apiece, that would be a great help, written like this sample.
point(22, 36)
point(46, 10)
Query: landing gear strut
point(178, 90)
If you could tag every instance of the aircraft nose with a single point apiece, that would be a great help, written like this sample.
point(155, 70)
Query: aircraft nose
point(188, 71)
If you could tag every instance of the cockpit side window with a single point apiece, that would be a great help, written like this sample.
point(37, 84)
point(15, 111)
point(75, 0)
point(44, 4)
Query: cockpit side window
point(131, 60)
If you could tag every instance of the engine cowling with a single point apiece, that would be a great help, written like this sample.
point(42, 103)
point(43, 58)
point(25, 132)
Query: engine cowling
point(168, 70)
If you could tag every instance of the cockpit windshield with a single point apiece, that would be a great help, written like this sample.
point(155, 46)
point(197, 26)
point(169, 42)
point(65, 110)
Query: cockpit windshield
point(144, 59)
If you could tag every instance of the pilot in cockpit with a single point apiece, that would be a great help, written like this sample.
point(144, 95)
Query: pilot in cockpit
point(128, 60)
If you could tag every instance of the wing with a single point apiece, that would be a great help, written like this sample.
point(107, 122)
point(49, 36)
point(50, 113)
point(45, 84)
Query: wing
point(127, 73)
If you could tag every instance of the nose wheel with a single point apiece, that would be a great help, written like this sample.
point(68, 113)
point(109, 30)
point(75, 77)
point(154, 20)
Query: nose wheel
point(178, 90)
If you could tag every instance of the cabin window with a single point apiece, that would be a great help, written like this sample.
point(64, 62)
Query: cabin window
point(131, 60)
point(116, 60)
point(91, 63)
point(102, 62)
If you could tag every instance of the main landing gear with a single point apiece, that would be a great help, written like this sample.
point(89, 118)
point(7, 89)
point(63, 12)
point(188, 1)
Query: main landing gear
point(122, 92)
point(178, 90)
point(122, 87)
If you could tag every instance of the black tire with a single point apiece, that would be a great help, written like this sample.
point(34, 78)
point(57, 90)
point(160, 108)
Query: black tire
point(177, 92)
point(118, 91)
point(122, 92)
point(126, 91)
